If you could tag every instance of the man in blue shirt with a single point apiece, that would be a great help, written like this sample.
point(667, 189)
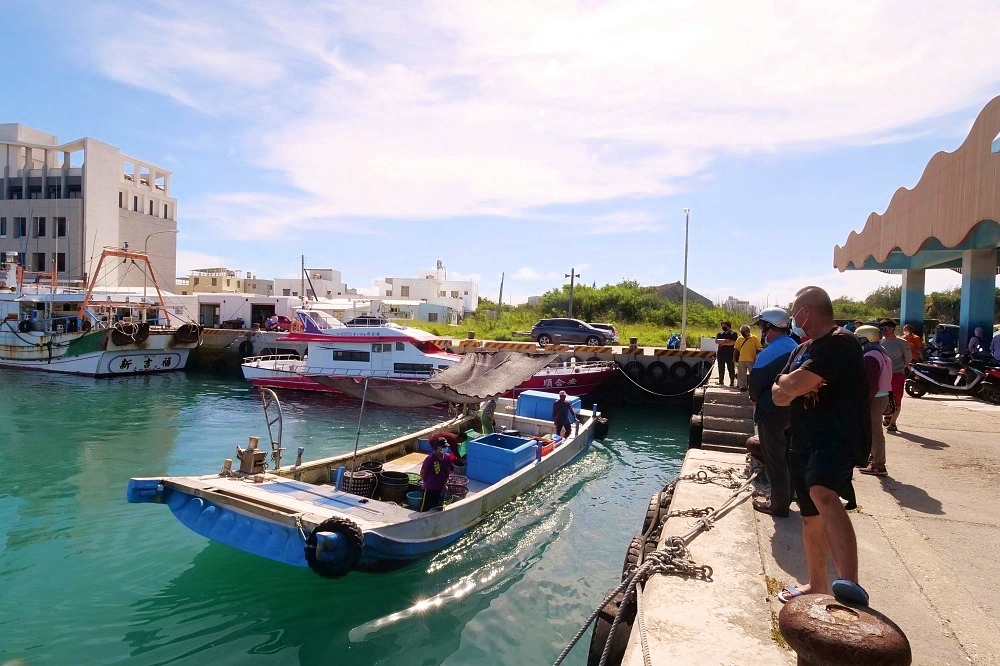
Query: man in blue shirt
point(772, 422)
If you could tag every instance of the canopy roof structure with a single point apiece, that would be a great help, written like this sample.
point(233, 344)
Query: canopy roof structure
point(949, 219)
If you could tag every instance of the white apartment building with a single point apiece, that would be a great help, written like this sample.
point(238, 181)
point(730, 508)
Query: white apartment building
point(321, 283)
point(62, 203)
point(461, 297)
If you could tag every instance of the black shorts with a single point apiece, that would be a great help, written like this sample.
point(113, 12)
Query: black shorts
point(830, 468)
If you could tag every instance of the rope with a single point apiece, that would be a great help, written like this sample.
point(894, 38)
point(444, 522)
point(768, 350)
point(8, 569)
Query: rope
point(672, 395)
point(674, 558)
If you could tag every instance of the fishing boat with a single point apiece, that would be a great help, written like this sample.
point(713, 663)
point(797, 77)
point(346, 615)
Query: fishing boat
point(324, 516)
point(387, 350)
point(56, 328)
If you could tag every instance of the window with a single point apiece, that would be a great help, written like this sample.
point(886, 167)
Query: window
point(74, 192)
point(150, 207)
point(121, 199)
point(38, 262)
point(286, 292)
point(353, 356)
point(35, 192)
point(413, 368)
point(388, 292)
point(20, 228)
point(404, 292)
point(400, 346)
point(39, 225)
point(59, 227)
point(61, 262)
point(466, 292)
point(55, 192)
point(3, 226)
point(135, 204)
point(432, 317)
point(215, 282)
point(454, 294)
point(442, 294)
point(227, 282)
point(196, 280)
point(16, 192)
point(165, 211)
point(21, 258)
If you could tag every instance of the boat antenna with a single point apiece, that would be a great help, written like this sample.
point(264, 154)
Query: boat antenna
point(357, 438)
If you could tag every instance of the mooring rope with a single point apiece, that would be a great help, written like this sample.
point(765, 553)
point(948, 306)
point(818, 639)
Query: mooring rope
point(673, 559)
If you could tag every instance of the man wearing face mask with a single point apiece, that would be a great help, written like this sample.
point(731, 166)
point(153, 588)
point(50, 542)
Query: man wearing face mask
point(726, 339)
point(824, 384)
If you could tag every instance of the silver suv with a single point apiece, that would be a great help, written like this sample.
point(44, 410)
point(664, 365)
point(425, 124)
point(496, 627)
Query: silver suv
point(571, 331)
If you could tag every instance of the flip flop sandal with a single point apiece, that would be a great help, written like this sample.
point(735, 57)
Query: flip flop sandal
point(765, 507)
point(788, 594)
point(891, 428)
point(849, 592)
point(886, 420)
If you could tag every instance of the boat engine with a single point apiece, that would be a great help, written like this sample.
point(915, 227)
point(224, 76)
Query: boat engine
point(251, 459)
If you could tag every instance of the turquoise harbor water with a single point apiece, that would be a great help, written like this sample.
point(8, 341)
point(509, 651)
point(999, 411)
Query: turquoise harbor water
point(86, 578)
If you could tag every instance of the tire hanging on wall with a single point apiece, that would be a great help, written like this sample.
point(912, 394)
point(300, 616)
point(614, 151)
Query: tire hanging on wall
point(680, 370)
point(246, 349)
point(635, 371)
point(656, 373)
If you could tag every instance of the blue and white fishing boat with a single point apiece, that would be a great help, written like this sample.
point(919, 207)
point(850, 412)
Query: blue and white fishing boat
point(317, 515)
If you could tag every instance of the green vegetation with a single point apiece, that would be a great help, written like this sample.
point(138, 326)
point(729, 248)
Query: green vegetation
point(641, 313)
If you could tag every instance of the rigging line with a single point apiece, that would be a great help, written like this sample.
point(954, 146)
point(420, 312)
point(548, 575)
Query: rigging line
point(361, 413)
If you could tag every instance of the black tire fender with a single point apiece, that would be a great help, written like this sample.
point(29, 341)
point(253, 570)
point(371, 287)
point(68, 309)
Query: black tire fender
point(657, 372)
point(355, 544)
point(246, 348)
point(24, 326)
point(635, 370)
point(680, 370)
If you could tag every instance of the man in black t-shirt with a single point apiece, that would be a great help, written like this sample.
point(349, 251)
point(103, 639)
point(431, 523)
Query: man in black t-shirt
point(726, 339)
point(824, 383)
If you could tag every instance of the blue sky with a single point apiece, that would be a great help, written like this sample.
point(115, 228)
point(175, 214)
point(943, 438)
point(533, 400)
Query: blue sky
point(526, 138)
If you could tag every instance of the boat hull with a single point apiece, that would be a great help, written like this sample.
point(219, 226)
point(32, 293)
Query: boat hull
point(93, 353)
point(271, 519)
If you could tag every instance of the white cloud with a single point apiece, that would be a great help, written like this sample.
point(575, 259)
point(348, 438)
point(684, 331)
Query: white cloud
point(432, 109)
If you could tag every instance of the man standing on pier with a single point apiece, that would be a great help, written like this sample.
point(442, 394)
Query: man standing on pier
point(825, 384)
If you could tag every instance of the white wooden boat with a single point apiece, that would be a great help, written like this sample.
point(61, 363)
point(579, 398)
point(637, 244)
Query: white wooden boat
point(295, 515)
point(89, 332)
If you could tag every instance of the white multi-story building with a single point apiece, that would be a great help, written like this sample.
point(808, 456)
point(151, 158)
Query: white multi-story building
point(62, 203)
point(321, 283)
point(461, 297)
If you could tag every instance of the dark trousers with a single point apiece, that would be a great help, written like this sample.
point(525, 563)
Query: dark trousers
point(563, 426)
point(724, 363)
point(431, 499)
point(774, 433)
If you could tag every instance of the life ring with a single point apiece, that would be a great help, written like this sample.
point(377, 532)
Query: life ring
point(656, 372)
point(246, 348)
point(680, 370)
point(24, 326)
point(351, 543)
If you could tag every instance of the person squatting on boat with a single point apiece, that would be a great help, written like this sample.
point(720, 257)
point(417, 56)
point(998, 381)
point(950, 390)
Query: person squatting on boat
point(563, 415)
point(772, 422)
point(434, 473)
point(825, 385)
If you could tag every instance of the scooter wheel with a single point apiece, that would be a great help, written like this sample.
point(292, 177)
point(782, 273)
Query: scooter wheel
point(990, 394)
point(914, 389)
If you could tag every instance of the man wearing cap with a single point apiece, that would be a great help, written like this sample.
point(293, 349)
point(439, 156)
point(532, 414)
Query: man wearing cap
point(563, 414)
point(901, 354)
point(434, 473)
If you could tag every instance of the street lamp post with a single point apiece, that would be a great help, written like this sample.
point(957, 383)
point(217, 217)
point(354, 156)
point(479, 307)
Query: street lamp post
point(572, 275)
point(144, 246)
point(684, 298)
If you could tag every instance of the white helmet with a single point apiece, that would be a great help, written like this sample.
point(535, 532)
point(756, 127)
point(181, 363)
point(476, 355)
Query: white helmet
point(869, 333)
point(775, 317)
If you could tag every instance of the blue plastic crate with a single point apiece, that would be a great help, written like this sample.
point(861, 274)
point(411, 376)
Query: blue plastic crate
point(495, 456)
point(538, 404)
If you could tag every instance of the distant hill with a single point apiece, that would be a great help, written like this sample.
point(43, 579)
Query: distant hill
point(675, 292)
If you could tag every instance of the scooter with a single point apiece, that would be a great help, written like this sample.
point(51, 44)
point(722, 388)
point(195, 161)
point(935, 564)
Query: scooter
point(964, 376)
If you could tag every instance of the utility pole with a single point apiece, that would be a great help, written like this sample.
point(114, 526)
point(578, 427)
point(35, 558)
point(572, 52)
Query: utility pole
point(684, 298)
point(302, 281)
point(572, 275)
point(500, 300)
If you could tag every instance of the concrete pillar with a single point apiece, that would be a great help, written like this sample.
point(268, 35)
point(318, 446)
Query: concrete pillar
point(911, 307)
point(979, 275)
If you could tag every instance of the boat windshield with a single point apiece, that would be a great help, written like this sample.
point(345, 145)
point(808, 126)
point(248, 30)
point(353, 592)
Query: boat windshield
point(426, 347)
point(323, 320)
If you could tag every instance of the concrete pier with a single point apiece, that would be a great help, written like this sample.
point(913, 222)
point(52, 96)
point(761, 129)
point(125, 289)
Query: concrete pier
point(928, 537)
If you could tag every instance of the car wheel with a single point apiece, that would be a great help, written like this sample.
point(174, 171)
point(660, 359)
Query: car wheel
point(593, 341)
point(544, 340)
